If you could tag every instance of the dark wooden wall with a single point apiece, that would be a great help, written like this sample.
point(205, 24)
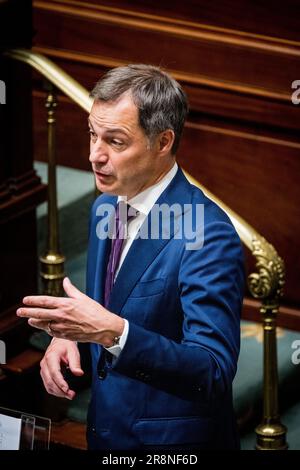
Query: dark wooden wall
point(237, 60)
point(20, 188)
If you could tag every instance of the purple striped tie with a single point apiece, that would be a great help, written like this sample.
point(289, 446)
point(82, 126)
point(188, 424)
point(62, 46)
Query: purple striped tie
point(120, 233)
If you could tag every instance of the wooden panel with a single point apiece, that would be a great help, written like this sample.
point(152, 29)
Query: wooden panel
point(21, 189)
point(18, 276)
point(71, 130)
point(218, 153)
point(278, 19)
point(69, 434)
point(27, 360)
point(194, 51)
point(267, 198)
point(205, 96)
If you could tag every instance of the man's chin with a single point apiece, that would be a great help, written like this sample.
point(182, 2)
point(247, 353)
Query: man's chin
point(105, 188)
point(112, 190)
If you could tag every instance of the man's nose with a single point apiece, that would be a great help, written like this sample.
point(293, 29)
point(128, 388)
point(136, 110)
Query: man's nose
point(98, 153)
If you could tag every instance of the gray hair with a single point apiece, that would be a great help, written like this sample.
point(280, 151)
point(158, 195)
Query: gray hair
point(162, 104)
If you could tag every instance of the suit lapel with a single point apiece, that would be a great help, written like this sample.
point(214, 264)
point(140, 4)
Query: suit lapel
point(102, 254)
point(143, 252)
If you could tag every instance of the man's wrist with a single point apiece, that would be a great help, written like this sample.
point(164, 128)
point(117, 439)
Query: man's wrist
point(112, 337)
point(118, 348)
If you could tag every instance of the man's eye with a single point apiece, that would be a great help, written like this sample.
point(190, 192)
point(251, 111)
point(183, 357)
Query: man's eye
point(92, 134)
point(117, 143)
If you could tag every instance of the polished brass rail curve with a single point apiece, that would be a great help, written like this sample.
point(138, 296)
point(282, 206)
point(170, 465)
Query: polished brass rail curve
point(54, 74)
point(266, 284)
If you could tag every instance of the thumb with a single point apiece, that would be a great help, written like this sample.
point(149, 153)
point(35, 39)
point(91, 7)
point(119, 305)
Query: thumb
point(71, 290)
point(74, 362)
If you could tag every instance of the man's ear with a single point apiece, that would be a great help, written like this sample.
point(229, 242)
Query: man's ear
point(165, 141)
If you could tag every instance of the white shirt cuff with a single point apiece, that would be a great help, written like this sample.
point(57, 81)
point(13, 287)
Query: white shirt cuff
point(117, 349)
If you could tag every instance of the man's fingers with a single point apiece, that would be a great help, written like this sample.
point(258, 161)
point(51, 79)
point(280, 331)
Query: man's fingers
point(43, 301)
point(39, 313)
point(51, 386)
point(55, 383)
point(74, 362)
point(40, 324)
point(71, 290)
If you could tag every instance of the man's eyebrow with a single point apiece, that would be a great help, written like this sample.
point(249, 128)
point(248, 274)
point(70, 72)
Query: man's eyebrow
point(115, 130)
point(112, 130)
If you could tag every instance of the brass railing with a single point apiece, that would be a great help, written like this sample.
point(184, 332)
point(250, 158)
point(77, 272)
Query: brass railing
point(265, 284)
point(52, 262)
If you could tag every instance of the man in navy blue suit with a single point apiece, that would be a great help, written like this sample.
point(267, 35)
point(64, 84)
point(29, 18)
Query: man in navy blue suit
point(162, 306)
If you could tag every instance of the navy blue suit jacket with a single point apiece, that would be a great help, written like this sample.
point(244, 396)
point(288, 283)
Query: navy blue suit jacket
point(172, 384)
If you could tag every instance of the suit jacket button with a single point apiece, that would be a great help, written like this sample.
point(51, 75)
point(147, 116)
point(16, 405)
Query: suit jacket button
point(94, 430)
point(102, 374)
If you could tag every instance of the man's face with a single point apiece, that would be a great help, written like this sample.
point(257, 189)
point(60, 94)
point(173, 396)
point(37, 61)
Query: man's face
point(122, 159)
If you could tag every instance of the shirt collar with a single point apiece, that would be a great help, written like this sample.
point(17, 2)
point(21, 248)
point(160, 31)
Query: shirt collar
point(144, 201)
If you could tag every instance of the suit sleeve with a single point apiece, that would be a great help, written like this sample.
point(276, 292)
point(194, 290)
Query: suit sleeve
point(211, 288)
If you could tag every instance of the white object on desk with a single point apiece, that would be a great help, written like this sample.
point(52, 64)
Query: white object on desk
point(10, 432)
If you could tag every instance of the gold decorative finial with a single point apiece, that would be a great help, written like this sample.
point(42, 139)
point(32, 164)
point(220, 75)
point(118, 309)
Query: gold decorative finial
point(267, 284)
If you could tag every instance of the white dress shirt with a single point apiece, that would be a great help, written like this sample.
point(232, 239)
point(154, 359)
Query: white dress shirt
point(142, 203)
